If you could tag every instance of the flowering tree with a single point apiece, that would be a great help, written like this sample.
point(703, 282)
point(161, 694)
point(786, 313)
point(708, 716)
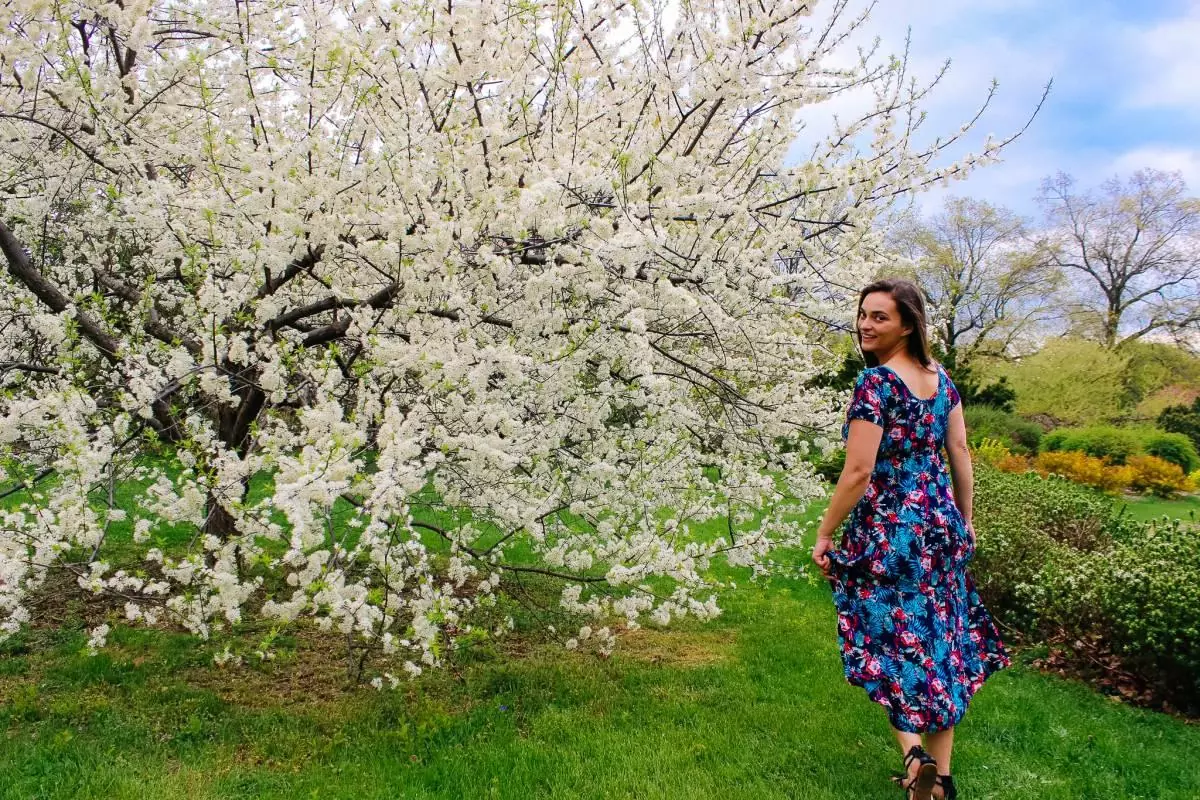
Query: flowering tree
point(502, 276)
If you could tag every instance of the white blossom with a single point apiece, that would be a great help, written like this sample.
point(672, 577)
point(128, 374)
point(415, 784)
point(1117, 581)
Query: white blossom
point(387, 304)
point(96, 639)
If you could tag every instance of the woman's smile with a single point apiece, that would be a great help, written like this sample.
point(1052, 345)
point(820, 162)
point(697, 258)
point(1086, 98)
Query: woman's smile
point(880, 326)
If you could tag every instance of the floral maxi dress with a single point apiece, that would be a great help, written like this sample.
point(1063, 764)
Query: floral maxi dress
point(912, 629)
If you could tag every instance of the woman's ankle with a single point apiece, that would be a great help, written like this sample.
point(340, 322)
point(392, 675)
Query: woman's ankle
point(945, 789)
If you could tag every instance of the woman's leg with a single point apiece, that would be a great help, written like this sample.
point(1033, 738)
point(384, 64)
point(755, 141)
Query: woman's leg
point(907, 741)
point(940, 745)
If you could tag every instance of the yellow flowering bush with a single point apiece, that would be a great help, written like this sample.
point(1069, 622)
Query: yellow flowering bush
point(1153, 474)
point(992, 450)
point(1085, 469)
point(1014, 464)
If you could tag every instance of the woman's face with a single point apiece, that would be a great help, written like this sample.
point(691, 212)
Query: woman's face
point(880, 329)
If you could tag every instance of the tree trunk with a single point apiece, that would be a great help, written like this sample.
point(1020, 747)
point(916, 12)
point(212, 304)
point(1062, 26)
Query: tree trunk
point(220, 523)
point(950, 358)
point(1112, 327)
point(233, 427)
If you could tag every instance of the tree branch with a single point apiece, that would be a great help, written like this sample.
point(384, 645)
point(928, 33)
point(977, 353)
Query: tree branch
point(8, 366)
point(66, 136)
point(21, 268)
point(153, 324)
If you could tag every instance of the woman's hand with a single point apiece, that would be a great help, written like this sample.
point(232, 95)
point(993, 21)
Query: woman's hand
point(820, 553)
point(862, 445)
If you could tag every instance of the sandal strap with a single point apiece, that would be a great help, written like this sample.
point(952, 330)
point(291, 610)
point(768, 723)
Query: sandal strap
point(916, 753)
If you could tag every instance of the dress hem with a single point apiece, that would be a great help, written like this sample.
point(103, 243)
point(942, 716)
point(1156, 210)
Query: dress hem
point(989, 670)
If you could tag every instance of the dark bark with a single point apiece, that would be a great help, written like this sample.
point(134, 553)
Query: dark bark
point(22, 268)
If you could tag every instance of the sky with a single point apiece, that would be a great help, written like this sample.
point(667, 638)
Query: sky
point(1125, 96)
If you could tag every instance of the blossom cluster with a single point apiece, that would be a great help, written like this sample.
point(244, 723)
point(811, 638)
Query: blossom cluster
point(383, 303)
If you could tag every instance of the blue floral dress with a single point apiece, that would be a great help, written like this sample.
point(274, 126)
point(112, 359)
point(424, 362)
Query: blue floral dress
point(912, 629)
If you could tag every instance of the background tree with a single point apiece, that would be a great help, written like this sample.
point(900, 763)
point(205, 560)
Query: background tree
point(1133, 249)
point(987, 290)
point(498, 280)
point(1069, 382)
point(1183, 419)
point(985, 286)
point(1157, 375)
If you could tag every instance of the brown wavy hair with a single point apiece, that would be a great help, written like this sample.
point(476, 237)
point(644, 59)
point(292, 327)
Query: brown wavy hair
point(911, 303)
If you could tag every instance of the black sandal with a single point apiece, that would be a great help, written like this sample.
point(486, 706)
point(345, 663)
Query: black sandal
point(949, 790)
point(920, 786)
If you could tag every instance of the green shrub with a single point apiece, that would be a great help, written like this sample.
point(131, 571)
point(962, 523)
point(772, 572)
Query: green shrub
point(1174, 447)
point(1142, 597)
point(1053, 441)
point(1064, 511)
point(1182, 419)
point(1055, 559)
point(1101, 441)
point(1019, 518)
point(830, 467)
point(987, 422)
point(1007, 550)
point(1149, 590)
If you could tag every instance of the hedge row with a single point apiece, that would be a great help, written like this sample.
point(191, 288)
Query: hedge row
point(1060, 562)
point(1118, 445)
point(1147, 474)
point(1018, 434)
point(1023, 437)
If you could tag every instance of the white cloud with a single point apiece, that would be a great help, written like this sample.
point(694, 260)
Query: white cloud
point(1168, 159)
point(1126, 96)
point(1168, 59)
point(956, 30)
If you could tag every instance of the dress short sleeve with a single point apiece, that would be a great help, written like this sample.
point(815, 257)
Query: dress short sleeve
point(867, 401)
point(951, 390)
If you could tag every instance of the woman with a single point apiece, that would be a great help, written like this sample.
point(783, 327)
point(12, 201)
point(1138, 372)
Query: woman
point(912, 630)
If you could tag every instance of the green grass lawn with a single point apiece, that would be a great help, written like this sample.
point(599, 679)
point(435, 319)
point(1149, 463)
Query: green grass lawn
point(751, 706)
point(1150, 508)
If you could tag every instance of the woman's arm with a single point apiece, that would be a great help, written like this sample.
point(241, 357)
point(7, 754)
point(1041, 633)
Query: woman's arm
point(961, 473)
point(862, 445)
